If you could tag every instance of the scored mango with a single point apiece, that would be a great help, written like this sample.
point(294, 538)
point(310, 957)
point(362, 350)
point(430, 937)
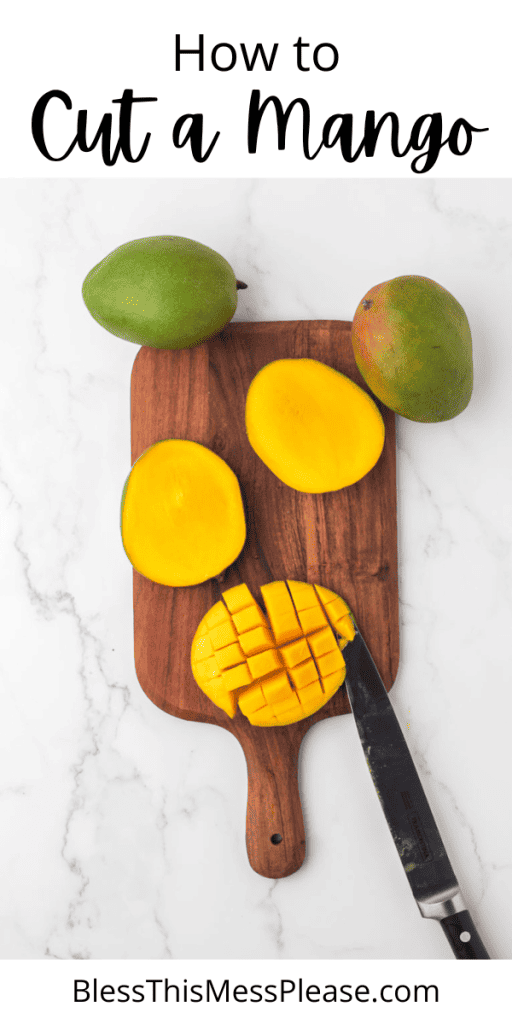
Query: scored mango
point(277, 666)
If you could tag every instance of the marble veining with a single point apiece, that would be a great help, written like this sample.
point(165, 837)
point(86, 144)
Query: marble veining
point(123, 828)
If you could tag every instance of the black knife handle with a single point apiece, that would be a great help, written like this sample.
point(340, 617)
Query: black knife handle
point(463, 937)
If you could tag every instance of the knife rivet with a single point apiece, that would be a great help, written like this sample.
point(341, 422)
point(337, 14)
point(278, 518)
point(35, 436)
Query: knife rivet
point(276, 838)
point(464, 936)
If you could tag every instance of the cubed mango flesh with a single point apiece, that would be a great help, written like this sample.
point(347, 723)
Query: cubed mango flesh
point(277, 666)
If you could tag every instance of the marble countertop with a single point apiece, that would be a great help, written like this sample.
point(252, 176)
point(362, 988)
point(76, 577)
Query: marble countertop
point(123, 827)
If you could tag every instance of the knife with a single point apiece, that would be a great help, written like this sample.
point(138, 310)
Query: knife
point(403, 800)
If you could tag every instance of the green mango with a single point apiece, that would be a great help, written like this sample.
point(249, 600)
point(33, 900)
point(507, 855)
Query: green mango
point(412, 346)
point(164, 291)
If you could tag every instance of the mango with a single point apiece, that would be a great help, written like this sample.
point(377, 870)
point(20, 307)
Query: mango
point(164, 291)
point(313, 427)
point(412, 345)
point(277, 666)
point(182, 515)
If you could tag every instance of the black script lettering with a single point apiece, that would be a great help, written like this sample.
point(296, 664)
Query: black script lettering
point(372, 132)
point(425, 136)
point(38, 115)
point(125, 125)
point(282, 116)
point(432, 139)
point(343, 136)
point(194, 135)
point(104, 132)
point(453, 138)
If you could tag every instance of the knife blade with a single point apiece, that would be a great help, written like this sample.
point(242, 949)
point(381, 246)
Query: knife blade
point(405, 805)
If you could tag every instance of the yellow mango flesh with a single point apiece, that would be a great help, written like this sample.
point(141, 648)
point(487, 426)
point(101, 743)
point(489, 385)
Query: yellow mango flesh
point(182, 516)
point(280, 666)
point(314, 428)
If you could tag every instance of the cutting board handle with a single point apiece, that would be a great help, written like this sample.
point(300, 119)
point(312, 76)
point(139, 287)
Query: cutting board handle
point(275, 838)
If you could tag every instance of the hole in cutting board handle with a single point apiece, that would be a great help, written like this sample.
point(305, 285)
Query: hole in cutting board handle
point(276, 838)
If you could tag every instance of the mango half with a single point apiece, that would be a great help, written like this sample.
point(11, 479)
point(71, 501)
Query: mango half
point(313, 427)
point(412, 345)
point(182, 515)
point(278, 667)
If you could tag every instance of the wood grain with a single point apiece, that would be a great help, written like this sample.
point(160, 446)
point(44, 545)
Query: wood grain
point(345, 540)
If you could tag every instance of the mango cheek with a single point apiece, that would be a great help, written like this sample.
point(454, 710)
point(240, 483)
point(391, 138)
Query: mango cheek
point(182, 515)
point(313, 427)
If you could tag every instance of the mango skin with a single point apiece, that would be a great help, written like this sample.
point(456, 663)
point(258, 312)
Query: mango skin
point(164, 291)
point(412, 345)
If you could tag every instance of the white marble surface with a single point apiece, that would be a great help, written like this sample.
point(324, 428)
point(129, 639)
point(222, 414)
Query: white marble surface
point(123, 828)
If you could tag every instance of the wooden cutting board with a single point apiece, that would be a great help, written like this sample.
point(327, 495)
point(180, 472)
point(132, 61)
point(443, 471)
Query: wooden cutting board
point(345, 540)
